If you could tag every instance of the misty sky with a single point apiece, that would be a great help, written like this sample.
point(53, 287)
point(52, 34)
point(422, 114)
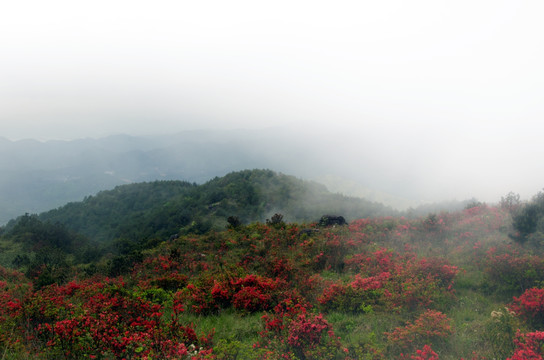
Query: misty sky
point(447, 95)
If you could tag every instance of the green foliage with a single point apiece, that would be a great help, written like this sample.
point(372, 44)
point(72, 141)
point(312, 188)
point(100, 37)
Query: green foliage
point(231, 348)
point(511, 202)
point(48, 266)
point(276, 221)
point(161, 208)
point(529, 219)
point(35, 234)
point(135, 210)
point(234, 222)
point(500, 331)
point(472, 203)
point(509, 271)
point(50, 250)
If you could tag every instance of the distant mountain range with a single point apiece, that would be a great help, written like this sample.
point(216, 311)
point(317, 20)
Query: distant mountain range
point(37, 176)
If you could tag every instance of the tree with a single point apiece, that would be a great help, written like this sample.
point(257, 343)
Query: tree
point(529, 219)
point(234, 222)
point(276, 221)
point(511, 202)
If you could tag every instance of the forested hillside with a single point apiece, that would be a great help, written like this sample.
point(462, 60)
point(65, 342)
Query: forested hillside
point(162, 208)
point(119, 224)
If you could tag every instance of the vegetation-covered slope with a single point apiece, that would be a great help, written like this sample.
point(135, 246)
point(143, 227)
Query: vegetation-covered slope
point(117, 225)
point(444, 286)
point(452, 285)
point(162, 208)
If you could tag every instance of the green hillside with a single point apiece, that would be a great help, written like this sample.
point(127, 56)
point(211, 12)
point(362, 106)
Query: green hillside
point(162, 208)
point(103, 278)
point(114, 227)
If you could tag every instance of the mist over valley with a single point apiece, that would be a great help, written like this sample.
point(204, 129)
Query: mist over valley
point(41, 175)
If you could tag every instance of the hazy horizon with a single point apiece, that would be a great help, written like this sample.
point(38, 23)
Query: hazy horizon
point(428, 99)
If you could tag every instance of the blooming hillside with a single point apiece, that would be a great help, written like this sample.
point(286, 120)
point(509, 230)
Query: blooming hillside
point(445, 286)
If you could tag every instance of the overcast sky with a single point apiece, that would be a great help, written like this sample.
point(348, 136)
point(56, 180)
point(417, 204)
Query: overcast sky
point(448, 95)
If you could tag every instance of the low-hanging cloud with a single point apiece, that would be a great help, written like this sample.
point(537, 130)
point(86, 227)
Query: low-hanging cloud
point(426, 99)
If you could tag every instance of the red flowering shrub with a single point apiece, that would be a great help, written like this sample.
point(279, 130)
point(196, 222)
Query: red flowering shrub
point(13, 292)
point(429, 326)
point(283, 312)
point(281, 268)
point(530, 306)
point(332, 294)
point(412, 290)
point(199, 298)
point(251, 299)
point(426, 353)
point(374, 263)
point(222, 293)
point(437, 268)
point(291, 332)
point(306, 330)
point(254, 293)
point(393, 280)
point(101, 319)
point(10, 275)
point(529, 346)
point(425, 282)
point(249, 293)
point(358, 296)
point(366, 229)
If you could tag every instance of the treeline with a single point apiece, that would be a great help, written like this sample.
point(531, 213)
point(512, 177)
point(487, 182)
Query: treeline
point(527, 219)
point(47, 251)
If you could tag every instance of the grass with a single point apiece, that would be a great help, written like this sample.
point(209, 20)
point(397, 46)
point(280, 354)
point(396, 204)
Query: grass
point(363, 331)
point(228, 324)
point(234, 333)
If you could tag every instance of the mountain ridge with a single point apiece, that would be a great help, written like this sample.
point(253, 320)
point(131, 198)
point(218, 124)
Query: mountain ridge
point(160, 208)
point(38, 176)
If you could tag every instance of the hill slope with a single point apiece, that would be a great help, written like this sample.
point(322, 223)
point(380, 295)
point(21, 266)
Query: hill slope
point(159, 209)
point(449, 286)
